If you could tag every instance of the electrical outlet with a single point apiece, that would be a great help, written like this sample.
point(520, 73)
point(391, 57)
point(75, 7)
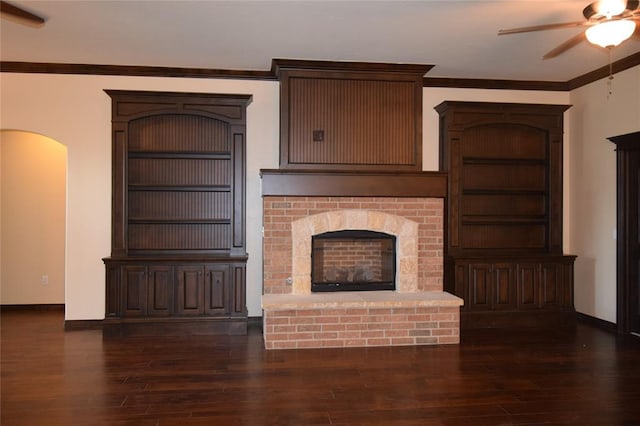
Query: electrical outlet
point(44, 280)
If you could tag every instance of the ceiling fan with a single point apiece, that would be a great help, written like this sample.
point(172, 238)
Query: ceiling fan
point(608, 22)
point(18, 14)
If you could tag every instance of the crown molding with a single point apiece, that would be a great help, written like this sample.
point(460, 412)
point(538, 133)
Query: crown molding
point(177, 72)
point(603, 72)
point(131, 70)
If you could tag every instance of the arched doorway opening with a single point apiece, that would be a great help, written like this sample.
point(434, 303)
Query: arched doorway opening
point(33, 219)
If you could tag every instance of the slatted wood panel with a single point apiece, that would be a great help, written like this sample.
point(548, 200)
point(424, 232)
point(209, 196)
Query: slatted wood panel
point(364, 122)
point(178, 133)
point(179, 171)
point(184, 205)
point(145, 237)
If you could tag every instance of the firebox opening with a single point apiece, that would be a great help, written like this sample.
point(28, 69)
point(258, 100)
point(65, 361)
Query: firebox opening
point(353, 260)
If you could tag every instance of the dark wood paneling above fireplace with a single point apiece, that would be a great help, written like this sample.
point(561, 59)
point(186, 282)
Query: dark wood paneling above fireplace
point(323, 183)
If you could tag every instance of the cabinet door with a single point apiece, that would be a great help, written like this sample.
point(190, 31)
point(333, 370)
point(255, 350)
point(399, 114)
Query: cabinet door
point(134, 290)
point(190, 288)
point(216, 290)
point(160, 290)
point(491, 286)
point(528, 283)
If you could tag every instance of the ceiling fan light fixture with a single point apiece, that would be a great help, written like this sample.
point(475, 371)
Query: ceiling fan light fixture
point(610, 8)
point(610, 33)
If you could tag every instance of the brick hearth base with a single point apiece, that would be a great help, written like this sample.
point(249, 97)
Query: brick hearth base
point(350, 319)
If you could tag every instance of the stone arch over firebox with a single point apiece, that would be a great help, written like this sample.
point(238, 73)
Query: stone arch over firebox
point(405, 231)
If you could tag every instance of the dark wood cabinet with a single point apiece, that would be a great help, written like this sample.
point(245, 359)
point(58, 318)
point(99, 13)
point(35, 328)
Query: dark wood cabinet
point(178, 212)
point(503, 244)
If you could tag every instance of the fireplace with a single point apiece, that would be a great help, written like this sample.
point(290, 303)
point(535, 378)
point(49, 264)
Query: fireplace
point(353, 260)
point(413, 311)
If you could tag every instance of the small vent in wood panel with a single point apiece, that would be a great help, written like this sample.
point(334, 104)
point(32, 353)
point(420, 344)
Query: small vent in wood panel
point(363, 122)
point(179, 133)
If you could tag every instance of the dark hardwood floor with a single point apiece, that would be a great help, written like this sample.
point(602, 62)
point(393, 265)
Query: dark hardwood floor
point(581, 376)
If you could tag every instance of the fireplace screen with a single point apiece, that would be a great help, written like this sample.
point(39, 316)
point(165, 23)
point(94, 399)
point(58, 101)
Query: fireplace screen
point(353, 260)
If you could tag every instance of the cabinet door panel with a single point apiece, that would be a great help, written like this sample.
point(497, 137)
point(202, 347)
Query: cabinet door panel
point(551, 285)
point(113, 305)
point(135, 290)
point(461, 285)
point(160, 294)
point(479, 286)
point(190, 290)
point(503, 288)
point(216, 290)
point(239, 300)
point(528, 286)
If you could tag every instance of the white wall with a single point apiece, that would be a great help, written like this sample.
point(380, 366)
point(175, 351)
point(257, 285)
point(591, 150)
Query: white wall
point(33, 210)
point(595, 116)
point(75, 111)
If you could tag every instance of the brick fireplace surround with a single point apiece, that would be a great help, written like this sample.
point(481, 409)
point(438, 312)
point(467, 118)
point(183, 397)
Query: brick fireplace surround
point(417, 313)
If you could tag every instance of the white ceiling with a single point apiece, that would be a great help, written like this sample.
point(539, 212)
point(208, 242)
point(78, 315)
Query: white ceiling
point(458, 37)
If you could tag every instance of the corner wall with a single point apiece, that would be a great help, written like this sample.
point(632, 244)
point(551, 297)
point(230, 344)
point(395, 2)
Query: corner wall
point(595, 116)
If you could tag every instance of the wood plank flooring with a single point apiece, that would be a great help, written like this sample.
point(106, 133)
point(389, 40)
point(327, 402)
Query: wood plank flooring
point(581, 376)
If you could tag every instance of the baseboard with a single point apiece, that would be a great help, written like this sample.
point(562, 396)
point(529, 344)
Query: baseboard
point(77, 325)
point(597, 322)
point(33, 307)
point(517, 319)
point(174, 326)
point(254, 321)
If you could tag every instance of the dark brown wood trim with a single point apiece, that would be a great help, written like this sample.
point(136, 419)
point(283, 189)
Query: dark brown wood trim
point(33, 307)
point(131, 70)
point(314, 183)
point(469, 83)
point(596, 322)
point(77, 325)
point(472, 83)
point(600, 73)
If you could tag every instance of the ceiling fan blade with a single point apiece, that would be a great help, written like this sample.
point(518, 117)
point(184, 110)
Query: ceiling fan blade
point(573, 41)
point(20, 14)
point(543, 27)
